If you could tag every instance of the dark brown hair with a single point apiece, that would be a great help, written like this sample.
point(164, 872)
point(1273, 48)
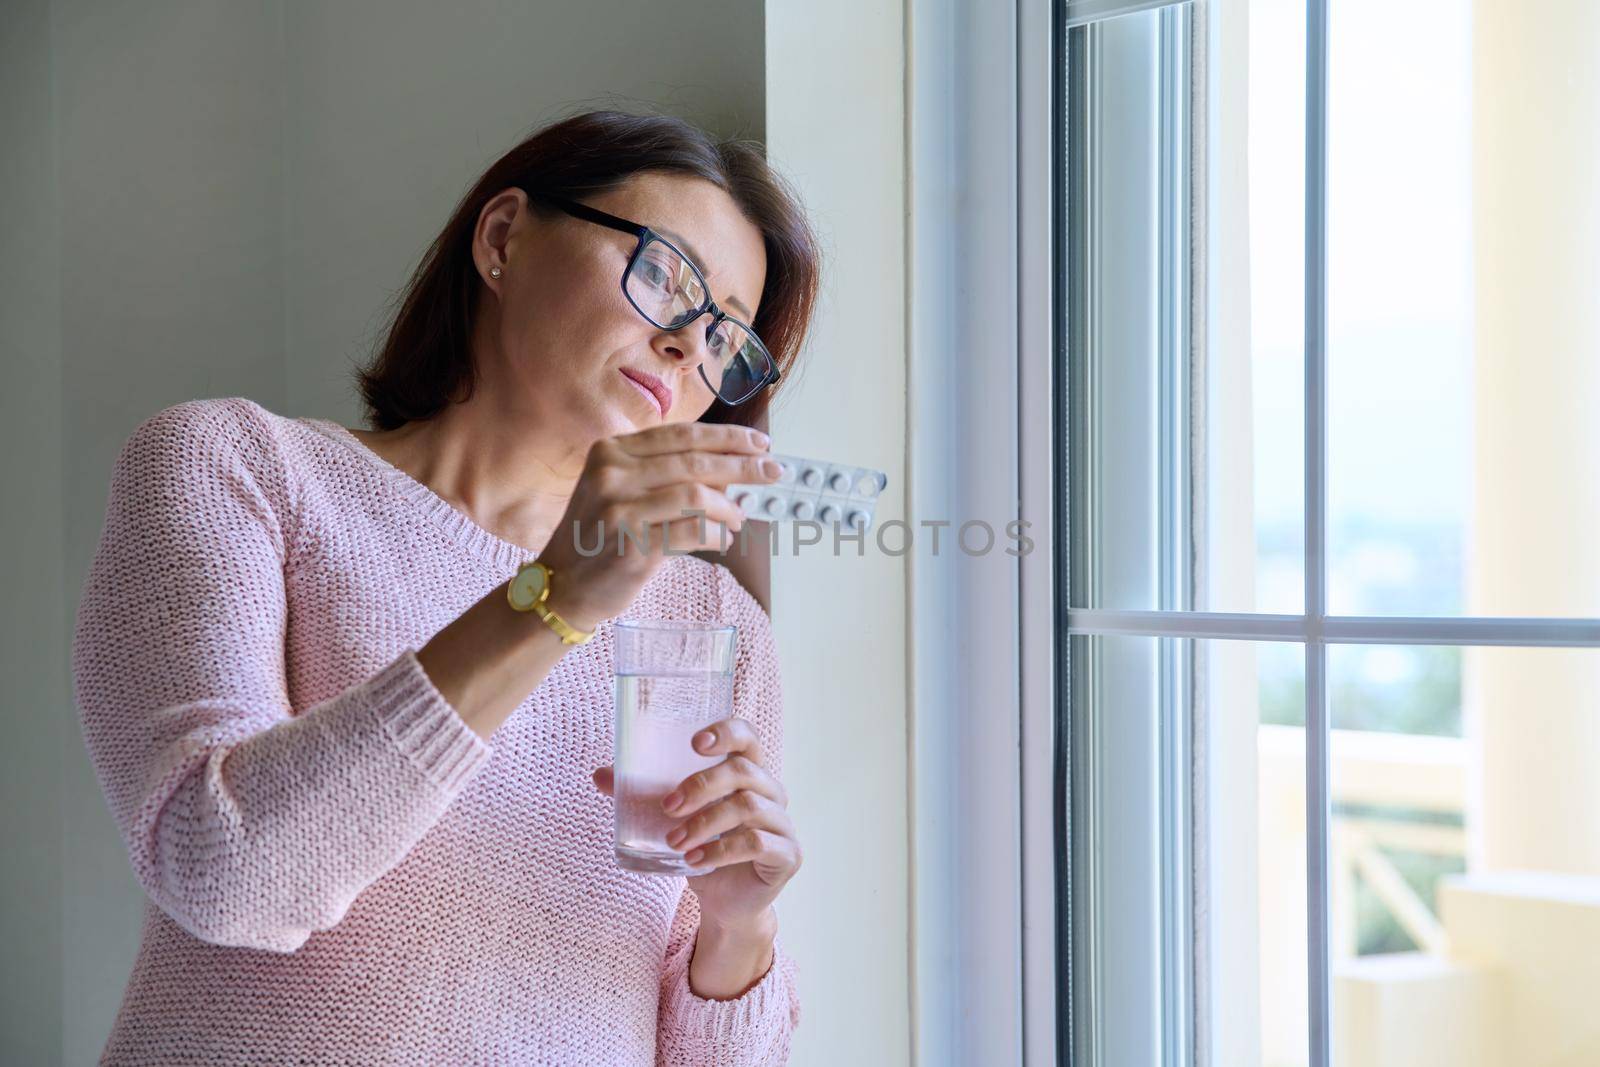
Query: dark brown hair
point(425, 363)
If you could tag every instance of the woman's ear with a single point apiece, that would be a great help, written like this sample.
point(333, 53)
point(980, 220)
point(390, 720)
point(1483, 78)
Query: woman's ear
point(492, 237)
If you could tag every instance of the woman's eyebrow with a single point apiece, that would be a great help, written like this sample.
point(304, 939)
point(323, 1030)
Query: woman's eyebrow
point(683, 243)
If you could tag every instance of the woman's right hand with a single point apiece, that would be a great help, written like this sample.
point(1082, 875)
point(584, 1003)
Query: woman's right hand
point(636, 483)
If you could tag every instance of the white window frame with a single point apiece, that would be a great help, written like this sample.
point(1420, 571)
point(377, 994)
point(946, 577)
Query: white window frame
point(989, 904)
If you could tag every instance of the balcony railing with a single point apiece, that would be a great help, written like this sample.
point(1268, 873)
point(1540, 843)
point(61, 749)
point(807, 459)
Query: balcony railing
point(1507, 959)
point(1406, 781)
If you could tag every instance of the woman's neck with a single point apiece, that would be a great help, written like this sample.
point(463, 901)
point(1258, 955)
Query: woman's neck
point(486, 465)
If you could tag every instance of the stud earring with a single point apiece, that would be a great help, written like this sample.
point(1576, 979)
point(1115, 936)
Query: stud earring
point(494, 272)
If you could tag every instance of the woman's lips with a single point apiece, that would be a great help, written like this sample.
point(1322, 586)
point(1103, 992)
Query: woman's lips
point(652, 387)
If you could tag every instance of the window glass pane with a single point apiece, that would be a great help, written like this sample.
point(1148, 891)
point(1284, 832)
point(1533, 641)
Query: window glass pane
point(1464, 255)
point(1187, 450)
point(1142, 929)
point(1275, 390)
point(1465, 854)
point(1277, 856)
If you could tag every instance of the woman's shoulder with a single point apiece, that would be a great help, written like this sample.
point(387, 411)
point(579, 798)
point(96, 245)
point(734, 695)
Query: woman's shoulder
point(233, 425)
point(199, 450)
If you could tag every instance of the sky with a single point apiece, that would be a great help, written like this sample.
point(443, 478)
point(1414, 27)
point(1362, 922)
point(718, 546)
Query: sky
point(1399, 266)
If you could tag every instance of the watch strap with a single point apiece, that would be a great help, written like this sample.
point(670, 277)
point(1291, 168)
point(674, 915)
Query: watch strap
point(569, 634)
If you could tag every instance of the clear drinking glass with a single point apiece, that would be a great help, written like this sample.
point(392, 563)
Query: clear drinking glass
point(674, 678)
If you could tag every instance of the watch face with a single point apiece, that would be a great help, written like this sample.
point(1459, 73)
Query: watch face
point(527, 587)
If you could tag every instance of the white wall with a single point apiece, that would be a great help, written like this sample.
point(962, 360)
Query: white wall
point(835, 113)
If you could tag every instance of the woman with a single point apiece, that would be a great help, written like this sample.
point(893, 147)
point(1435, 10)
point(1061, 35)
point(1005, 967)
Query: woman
point(367, 797)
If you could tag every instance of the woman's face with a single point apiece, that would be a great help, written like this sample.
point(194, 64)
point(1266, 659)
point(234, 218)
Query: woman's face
point(556, 329)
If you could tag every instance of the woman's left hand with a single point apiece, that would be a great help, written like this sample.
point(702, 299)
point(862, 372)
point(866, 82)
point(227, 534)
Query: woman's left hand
point(748, 866)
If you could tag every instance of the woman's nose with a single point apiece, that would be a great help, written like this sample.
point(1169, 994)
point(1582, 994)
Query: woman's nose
point(687, 344)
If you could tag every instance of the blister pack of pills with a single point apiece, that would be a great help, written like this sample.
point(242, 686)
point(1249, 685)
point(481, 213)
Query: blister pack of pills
point(814, 490)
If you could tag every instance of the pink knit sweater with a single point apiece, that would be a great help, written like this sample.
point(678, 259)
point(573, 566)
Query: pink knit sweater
point(339, 870)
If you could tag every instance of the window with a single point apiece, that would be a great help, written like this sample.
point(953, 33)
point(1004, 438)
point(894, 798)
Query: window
point(1317, 431)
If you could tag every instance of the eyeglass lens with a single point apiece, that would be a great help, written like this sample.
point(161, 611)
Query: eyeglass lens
point(667, 290)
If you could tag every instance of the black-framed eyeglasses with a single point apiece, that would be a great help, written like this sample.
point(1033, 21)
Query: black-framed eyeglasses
point(666, 287)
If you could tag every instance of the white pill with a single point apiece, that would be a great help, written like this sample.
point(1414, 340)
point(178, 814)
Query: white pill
point(857, 520)
point(810, 476)
point(746, 502)
point(829, 513)
point(840, 482)
point(773, 506)
point(802, 509)
point(869, 485)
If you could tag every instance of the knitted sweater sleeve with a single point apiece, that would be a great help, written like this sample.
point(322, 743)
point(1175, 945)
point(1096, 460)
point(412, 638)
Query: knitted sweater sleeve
point(248, 824)
point(752, 1030)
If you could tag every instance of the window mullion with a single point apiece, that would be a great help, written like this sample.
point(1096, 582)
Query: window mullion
point(1318, 810)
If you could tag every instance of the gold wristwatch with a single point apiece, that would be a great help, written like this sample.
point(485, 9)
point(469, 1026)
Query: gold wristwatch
point(530, 589)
